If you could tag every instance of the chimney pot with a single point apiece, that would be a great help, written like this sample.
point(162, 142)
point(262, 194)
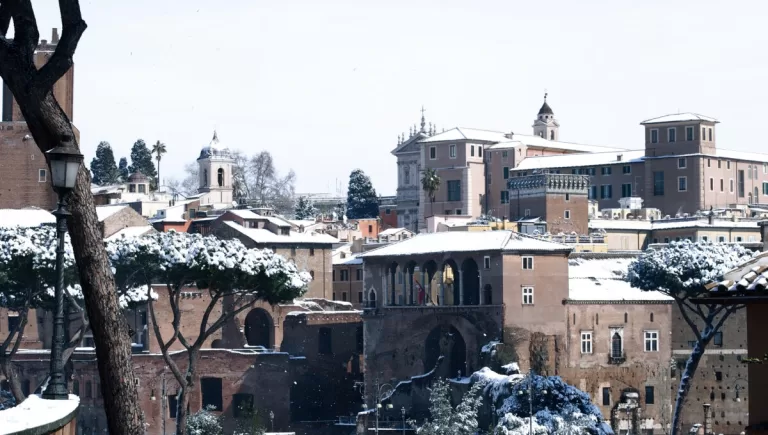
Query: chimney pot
point(43, 42)
point(55, 36)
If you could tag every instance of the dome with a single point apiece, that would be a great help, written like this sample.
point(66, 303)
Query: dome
point(138, 177)
point(215, 149)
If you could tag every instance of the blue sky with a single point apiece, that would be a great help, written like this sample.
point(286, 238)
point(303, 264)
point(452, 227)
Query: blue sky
point(326, 87)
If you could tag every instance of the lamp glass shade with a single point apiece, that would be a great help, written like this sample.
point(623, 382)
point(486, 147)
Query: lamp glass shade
point(65, 165)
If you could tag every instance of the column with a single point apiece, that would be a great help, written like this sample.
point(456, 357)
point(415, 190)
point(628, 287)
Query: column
point(441, 282)
point(461, 287)
point(383, 294)
point(423, 284)
point(393, 290)
point(480, 291)
point(409, 298)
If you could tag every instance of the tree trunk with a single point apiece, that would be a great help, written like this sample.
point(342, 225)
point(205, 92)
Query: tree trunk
point(189, 387)
point(13, 380)
point(686, 379)
point(48, 123)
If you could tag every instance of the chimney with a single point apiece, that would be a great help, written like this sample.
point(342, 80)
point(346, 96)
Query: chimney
point(619, 157)
point(55, 37)
point(707, 419)
point(711, 218)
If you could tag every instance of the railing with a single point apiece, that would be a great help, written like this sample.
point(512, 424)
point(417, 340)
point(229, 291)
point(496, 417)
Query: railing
point(617, 359)
point(38, 416)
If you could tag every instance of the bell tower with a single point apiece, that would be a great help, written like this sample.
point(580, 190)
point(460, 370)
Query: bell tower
point(545, 125)
point(215, 166)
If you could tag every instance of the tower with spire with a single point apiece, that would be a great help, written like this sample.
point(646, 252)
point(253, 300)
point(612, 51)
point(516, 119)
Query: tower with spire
point(215, 166)
point(545, 125)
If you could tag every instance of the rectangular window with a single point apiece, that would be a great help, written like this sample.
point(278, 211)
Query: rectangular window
point(654, 135)
point(471, 150)
point(606, 191)
point(741, 183)
point(605, 170)
point(591, 171)
point(711, 184)
point(343, 275)
point(718, 376)
point(527, 295)
point(333, 275)
point(651, 341)
point(586, 341)
point(452, 151)
point(486, 262)
point(567, 197)
point(324, 345)
point(765, 188)
point(359, 275)
point(359, 297)
point(722, 183)
point(765, 168)
point(730, 182)
point(592, 192)
point(682, 163)
point(703, 133)
point(505, 171)
point(721, 239)
point(479, 150)
point(454, 190)
point(432, 153)
point(211, 389)
point(42, 176)
point(689, 134)
point(626, 169)
point(142, 188)
point(505, 196)
point(527, 212)
point(626, 190)
point(242, 404)
point(671, 134)
point(567, 214)
point(527, 263)
point(312, 250)
point(606, 396)
point(344, 296)
point(649, 399)
point(710, 134)
point(13, 322)
point(682, 184)
point(717, 340)
point(658, 183)
point(728, 165)
point(173, 404)
point(709, 163)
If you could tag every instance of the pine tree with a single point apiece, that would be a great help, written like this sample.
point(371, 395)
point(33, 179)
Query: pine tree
point(444, 419)
point(141, 161)
point(122, 170)
point(305, 209)
point(103, 167)
point(361, 197)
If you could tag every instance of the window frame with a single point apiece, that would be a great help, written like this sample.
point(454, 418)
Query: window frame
point(651, 337)
point(682, 184)
point(658, 185)
point(567, 215)
point(487, 262)
point(671, 134)
point(449, 190)
point(42, 175)
point(586, 341)
point(527, 293)
point(626, 170)
point(682, 163)
point(452, 151)
point(530, 265)
point(433, 153)
point(654, 135)
point(692, 135)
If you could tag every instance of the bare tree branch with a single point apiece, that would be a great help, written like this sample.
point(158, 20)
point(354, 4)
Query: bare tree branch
point(204, 332)
point(25, 35)
point(73, 27)
point(164, 350)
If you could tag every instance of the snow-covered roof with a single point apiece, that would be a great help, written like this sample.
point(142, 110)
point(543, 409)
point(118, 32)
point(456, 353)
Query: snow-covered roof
point(130, 232)
point(25, 217)
point(751, 278)
point(105, 211)
point(602, 279)
point(540, 142)
point(668, 224)
point(393, 231)
point(465, 241)
point(583, 159)
point(245, 214)
point(679, 117)
point(349, 260)
point(259, 235)
point(741, 155)
point(462, 133)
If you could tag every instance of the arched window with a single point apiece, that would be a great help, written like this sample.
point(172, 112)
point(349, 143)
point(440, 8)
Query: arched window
point(651, 317)
point(312, 274)
point(407, 171)
point(757, 194)
point(625, 317)
point(616, 345)
point(372, 298)
point(597, 319)
point(749, 198)
point(221, 177)
point(552, 135)
point(205, 177)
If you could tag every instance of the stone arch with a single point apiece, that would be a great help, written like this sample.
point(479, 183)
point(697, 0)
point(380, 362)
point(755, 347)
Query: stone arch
point(411, 270)
point(372, 298)
point(259, 328)
point(427, 282)
point(220, 177)
point(445, 340)
point(450, 283)
point(470, 276)
point(392, 282)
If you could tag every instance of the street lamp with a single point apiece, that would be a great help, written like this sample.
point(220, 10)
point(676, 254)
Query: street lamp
point(65, 161)
point(402, 410)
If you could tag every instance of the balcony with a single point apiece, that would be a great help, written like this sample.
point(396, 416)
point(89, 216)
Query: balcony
point(617, 358)
point(38, 416)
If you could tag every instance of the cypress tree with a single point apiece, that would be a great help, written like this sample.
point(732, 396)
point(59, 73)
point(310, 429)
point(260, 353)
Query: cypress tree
point(141, 161)
point(362, 201)
point(103, 167)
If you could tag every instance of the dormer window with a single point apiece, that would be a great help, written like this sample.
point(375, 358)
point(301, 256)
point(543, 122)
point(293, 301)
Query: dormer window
point(654, 135)
point(671, 134)
point(689, 134)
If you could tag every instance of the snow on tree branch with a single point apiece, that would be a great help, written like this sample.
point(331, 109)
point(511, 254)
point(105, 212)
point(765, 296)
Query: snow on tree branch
point(683, 268)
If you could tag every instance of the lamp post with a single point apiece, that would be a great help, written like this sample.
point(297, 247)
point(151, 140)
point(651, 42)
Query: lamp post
point(64, 161)
point(272, 419)
point(402, 410)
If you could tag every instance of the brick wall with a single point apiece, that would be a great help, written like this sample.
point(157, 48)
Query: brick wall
point(127, 217)
point(21, 181)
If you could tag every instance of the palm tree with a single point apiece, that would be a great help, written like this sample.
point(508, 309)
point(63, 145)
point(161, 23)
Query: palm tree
point(430, 183)
point(158, 149)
